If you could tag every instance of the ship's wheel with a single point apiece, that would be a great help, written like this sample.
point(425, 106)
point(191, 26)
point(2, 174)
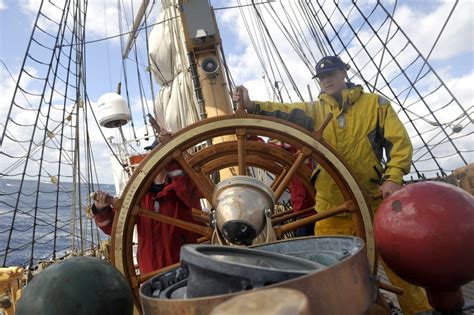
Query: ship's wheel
point(240, 153)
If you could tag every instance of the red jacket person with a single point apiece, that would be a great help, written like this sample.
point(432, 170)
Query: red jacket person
point(172, 194)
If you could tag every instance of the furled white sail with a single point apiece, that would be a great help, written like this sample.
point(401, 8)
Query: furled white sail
point(175, 105)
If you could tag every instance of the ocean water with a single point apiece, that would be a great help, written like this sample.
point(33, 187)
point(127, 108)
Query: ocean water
point(38, 221)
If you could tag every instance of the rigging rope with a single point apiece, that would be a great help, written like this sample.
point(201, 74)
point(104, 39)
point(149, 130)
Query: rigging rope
point(124, 70)
point(40, 212)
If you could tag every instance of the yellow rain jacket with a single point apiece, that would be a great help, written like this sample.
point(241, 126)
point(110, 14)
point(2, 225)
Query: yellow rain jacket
point(361, 129)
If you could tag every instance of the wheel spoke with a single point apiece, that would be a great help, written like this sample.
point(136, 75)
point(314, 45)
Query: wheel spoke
point(185, 225)
point(277, 180)
point(319, 133)
point(347, 206)
point(291, 215)
point(200, 216)
point(201, 181)
point(241, 152)
point(279, 214)
point(301, 156)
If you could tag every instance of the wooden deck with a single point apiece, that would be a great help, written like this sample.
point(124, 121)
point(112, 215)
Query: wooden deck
point(467, 289)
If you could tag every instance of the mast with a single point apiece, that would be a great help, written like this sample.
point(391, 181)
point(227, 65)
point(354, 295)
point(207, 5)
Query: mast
point(185, 59)
point(202, 40)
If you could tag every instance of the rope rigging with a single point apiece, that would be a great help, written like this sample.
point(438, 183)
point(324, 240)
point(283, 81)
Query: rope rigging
point(50, 154)
point(124, 70)
point(403, 73)
point(385, 59)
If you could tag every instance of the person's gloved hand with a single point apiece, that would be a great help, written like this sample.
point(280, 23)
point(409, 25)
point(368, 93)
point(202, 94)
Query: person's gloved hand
point(247, 103)
point(102, 200)
point(389, 188)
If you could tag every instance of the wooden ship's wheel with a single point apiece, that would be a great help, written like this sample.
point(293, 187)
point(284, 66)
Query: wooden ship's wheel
point(240, 153)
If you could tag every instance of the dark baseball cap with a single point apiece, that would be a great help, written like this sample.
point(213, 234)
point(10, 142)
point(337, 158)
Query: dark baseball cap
point(330, 63)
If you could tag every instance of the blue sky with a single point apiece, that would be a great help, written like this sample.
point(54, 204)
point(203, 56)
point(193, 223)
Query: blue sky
point(453, 57)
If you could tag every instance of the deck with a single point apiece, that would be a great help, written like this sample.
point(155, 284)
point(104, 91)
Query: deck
point(467, 289)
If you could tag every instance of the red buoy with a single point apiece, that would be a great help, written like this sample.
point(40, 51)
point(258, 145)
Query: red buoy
point(425, 232)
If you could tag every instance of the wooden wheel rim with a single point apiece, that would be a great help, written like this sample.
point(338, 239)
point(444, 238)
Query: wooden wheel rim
point(223, 125)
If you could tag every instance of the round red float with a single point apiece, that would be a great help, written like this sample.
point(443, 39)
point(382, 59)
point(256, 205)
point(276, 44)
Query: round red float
point(425, 232)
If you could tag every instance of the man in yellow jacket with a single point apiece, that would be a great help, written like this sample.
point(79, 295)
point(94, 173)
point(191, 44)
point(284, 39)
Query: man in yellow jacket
point(364, 125)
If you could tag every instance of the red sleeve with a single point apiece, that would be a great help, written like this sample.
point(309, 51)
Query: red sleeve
point(186, 191)
point(105, 219)
point(300, 197)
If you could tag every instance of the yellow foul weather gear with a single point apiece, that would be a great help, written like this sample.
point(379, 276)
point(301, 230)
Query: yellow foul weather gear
point(364, 125)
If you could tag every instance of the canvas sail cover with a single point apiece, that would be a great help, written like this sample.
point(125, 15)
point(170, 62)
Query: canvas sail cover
point(175, 105)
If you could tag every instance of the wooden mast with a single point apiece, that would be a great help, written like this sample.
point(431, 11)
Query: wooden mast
point(202, 40)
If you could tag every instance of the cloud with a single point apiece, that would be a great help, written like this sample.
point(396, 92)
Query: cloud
point(24, 126)
point(103, 21)
point(423, 27)
point(53, 13)
point(245, 63)
point(3, 5)
point(7, 86)
point(102, 17)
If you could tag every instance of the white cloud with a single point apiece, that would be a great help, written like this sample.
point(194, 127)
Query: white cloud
point(102, 16)
point(7, 86)
point(102, 19)
point(21, 131)
point(3, 5)
point(423, 27)
point(245, 65)
point(53, 12)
